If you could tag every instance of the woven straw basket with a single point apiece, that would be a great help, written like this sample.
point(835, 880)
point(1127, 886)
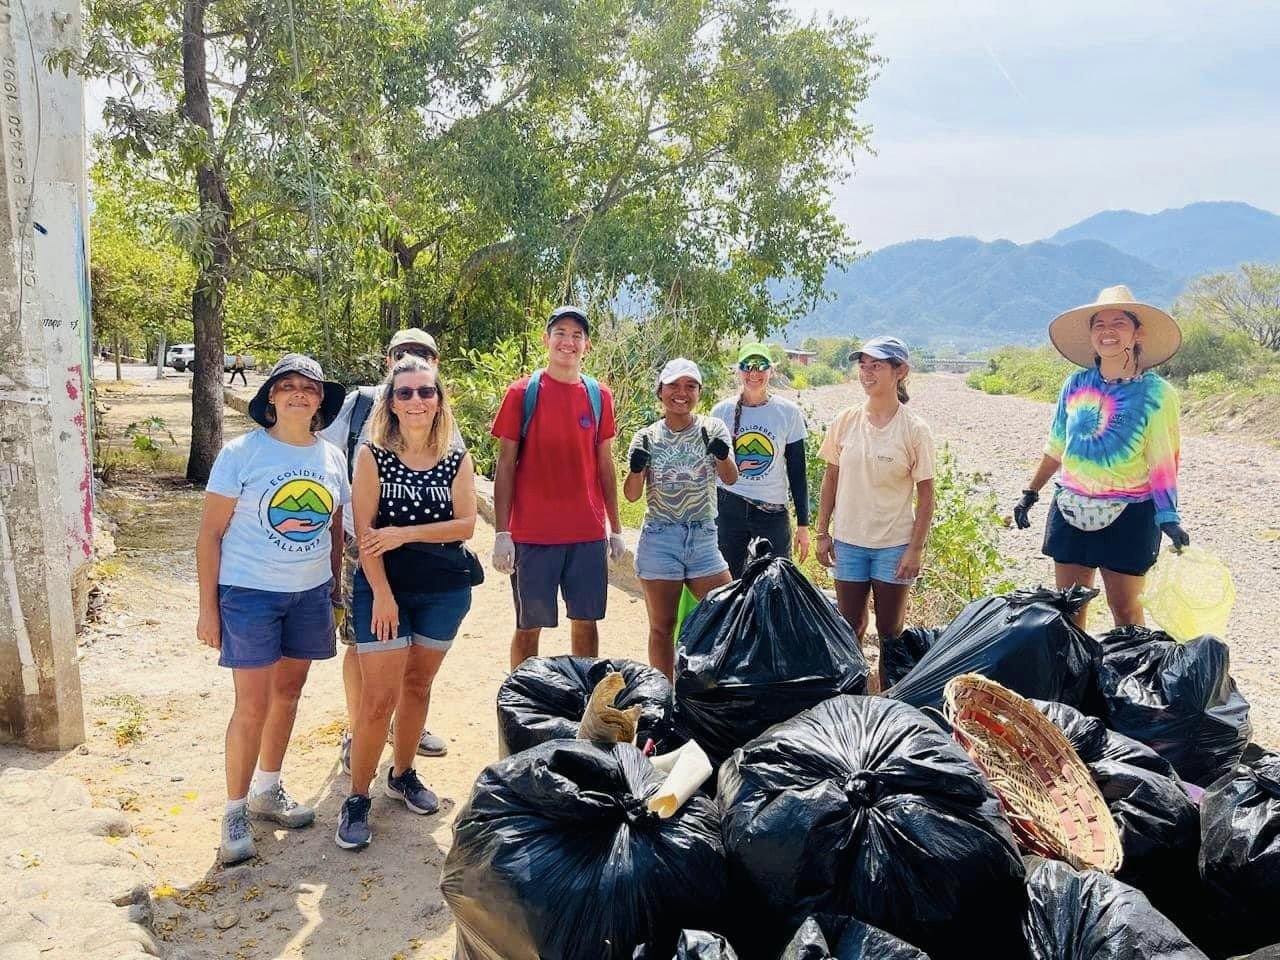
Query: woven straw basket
point(1051, 802)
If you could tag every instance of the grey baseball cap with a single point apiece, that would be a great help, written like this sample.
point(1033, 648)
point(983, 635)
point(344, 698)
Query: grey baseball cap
point(573, 313)
point(882, 348)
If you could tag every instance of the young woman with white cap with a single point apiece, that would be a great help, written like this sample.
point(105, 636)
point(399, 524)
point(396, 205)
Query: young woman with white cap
point(676, 461)
point(877, 493)
point(1114, 446)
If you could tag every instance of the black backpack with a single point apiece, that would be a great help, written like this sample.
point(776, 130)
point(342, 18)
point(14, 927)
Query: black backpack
point(365, 399)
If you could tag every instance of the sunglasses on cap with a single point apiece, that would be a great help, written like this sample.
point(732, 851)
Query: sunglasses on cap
point(399, 353)
point(404, 394)
point(754, 365)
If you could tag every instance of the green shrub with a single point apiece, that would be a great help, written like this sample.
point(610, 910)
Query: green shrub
point(1035, 372)
point(962, 559)
point(822, 375)
point(1207, 348)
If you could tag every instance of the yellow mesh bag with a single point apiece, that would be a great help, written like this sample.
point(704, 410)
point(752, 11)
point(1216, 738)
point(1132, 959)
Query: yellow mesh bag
point(1189, 594)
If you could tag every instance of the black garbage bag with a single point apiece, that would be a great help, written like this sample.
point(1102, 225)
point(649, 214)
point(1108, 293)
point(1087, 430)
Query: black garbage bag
point(1024, 640)
point(862, 807)
point(1240, 848)
point(1177, 698)
point(758, 651)
point(844, 938)
point(899, 654)
point(1094, 742)
point(1087, 915)
point(544, 698)
point(692, 945)
point(555, 857)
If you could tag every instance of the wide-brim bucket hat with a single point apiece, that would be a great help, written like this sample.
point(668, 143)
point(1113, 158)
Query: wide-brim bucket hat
point(330, 404)
point(1161, 335)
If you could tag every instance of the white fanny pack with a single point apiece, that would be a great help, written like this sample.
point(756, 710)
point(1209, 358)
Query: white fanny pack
point(1087, 513)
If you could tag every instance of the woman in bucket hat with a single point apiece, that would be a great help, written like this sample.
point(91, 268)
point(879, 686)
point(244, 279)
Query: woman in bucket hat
point(266, 564)
point(676, 461)
point(877, 493)
point(1113, 445)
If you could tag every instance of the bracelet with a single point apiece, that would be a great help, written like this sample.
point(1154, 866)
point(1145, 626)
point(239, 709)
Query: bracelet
point(824, 536)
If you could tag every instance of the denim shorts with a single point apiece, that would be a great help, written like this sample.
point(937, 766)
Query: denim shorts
point(860, 564)
point(429, 620)
point(678, 551)
point(261, 626)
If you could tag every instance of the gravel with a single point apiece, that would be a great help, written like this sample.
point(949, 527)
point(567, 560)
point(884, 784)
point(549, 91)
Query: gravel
point(1226, 497)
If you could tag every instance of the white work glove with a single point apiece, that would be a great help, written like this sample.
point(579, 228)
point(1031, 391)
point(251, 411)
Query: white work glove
point(504, 553)
point(616, 547)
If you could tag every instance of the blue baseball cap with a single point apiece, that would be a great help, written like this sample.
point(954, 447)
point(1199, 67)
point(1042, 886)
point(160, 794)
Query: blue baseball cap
point(882, 348)
point(573, 313)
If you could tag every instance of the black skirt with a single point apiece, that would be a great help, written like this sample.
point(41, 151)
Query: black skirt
point(1129, 544)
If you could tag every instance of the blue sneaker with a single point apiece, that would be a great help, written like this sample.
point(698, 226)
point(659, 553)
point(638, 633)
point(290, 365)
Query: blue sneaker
point(353, 826)
point(409, 788)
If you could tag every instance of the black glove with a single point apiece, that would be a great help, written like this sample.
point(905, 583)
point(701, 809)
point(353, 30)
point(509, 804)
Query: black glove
point(640, 455)
point(1029, 499)
point(1177, 536)
point(717, 447)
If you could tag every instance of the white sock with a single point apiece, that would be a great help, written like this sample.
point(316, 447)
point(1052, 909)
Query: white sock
point(263, 781)
point(235, 806)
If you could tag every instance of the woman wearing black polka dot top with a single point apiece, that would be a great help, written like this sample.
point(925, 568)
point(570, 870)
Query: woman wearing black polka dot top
point(413, 493)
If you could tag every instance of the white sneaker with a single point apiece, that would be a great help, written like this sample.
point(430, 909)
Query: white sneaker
point(237, 838)
point(277, 805)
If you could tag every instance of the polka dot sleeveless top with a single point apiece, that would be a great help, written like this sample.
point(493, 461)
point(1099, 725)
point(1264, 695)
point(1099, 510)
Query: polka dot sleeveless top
point(407, 497)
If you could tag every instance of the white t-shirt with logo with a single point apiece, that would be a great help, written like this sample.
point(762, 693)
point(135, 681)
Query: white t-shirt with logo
point(278, 538)
point(760, 444)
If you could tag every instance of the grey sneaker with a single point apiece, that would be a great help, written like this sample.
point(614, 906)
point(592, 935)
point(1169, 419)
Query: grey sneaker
point(353, 824)
point(277, 805)
point(237, 838)
point(429, 745)
point(344, 753)
point(409, 788)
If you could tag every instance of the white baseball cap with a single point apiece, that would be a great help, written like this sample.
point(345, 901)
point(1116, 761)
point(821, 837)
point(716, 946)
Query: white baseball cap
point(677, 368)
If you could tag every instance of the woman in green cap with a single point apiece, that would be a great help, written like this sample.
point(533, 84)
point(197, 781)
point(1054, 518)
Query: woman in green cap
point(768, 443)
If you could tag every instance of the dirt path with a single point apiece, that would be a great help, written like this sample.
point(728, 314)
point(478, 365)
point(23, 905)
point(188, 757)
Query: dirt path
point(145, 678)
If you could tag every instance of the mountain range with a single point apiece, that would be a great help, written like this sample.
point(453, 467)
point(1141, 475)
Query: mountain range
point(962, 293)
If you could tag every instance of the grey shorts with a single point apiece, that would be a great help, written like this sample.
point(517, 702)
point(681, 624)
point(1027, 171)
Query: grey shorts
point(577, 571)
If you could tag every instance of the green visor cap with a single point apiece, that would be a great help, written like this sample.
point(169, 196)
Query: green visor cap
point(750, 350)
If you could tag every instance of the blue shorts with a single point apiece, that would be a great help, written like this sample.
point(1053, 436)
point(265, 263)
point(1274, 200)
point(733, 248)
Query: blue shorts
point(544, 571)
point(261, 626)
point(859, 564)
point(429, 620)
point(678, 551)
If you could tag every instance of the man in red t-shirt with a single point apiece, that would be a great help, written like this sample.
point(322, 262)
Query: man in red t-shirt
point(552, 492)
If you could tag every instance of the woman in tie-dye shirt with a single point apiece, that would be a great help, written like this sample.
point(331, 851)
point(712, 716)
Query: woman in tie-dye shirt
point(675, 462)
point(1113, 444)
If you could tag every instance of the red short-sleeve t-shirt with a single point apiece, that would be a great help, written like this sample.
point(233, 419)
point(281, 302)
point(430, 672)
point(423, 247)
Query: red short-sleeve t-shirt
point(557, 496)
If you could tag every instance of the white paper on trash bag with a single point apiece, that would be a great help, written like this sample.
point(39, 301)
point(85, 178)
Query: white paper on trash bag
point(689, 771)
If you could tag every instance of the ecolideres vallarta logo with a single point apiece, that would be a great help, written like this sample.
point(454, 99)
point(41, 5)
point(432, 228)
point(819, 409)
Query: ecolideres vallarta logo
point(754, 453)
point(299, 510)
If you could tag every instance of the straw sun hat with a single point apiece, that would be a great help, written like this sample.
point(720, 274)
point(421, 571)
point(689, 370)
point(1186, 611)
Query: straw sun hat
point(1161, 336)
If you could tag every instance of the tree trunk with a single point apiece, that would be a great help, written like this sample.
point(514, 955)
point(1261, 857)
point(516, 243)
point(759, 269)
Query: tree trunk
point(118, 377)
point(209, 296)
point(161, 346)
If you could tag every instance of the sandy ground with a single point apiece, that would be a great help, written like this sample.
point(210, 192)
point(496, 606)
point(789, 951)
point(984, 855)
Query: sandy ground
point(144, 674)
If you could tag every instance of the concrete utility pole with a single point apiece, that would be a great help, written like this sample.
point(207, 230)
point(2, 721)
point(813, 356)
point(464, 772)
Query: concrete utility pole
point(46, 478)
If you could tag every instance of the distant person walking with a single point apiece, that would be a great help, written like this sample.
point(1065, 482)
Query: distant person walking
point(349, 429)
point(769, 435)
point(553, 488)
point(876, 502)
point(1114, 445)
point(675, 462)
point(267, 565)
point(415, 503)
point(237, 367)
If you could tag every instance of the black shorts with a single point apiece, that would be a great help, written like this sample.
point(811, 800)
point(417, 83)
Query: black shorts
point(577, 571)
point(1129, 544)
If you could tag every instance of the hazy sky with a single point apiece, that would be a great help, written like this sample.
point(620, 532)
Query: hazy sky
point(1009, 119)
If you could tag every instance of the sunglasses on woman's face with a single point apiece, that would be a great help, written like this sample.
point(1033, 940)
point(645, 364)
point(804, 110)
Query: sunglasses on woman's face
point(404, 394)
point(754, 366)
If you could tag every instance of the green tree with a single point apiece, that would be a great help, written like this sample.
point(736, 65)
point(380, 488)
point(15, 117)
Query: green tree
point(1248, 300)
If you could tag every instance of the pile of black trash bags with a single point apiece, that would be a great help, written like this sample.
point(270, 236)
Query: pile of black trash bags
point(845, 826)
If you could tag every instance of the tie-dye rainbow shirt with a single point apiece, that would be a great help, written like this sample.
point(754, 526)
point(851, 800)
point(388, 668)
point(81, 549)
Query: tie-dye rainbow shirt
point(1118, 441)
